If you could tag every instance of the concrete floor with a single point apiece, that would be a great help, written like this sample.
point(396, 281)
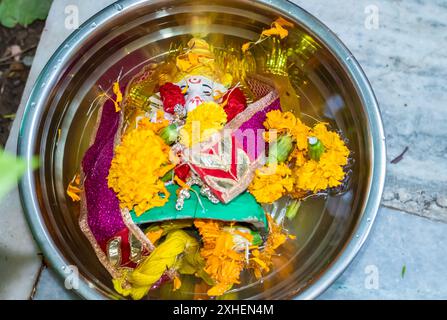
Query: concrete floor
point(405, 58)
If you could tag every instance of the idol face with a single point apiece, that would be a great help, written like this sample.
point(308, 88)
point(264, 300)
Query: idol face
point(200, 89)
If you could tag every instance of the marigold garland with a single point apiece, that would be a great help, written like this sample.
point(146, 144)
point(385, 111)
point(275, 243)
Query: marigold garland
point(208, 118)
point(139, 162)
point(310, 175)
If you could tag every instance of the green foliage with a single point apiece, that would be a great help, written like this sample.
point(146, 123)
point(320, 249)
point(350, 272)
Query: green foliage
point(11, 170)
point(23, 12)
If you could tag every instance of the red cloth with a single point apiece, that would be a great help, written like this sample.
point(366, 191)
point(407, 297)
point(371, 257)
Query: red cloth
point(182, 171)
point(171, 95)
point(125, 249)
point(236, 102)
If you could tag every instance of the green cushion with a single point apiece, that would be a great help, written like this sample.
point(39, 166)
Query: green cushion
point(243, 208)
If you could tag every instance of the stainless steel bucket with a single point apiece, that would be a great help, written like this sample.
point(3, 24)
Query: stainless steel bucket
point(61, 113)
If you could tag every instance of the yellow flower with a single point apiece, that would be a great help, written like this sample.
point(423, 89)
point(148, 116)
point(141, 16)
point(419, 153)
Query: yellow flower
point(299, 157)
point(309, 175)
point(328, 172)
point(271, 182)
point(74, 188)
point(286, 122)
point(202, 122)
point(277, 28)
point(222, 262)
point(138, 164)
point(331, 141)
point(119, 96)
point(156, 126)
point(261, 260)
point(246, 46)
point(280, 120)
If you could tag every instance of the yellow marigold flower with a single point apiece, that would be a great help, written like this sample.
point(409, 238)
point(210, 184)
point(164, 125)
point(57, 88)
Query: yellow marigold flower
point(222, 262)
point(202, 122)
point(286, 122)
point(280, 120)
point(331, 141)
point(156, 126)
point(138, 164)
point(308, 175)
point(271, 182)
point(298, 156)
point(328, 172)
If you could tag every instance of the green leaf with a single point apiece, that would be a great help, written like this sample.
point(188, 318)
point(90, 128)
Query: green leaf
point(404, 270)
point(24, 12)
point(292, 209)
point(11, 170)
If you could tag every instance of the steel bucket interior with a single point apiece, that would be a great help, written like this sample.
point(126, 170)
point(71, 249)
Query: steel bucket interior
point(61, 114)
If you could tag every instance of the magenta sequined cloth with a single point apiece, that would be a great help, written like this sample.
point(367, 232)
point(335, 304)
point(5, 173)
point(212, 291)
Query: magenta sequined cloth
point(256, 123)
point(104, 216)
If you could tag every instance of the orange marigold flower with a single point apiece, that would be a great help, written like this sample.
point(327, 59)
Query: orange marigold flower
point(74, 190)
point(246, 46)
point(277, 28)
point(177, 283)
point(261, 260)
point(222, 262)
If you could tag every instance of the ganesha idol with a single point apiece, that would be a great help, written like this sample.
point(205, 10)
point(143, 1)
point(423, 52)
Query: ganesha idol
point(208, 175)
